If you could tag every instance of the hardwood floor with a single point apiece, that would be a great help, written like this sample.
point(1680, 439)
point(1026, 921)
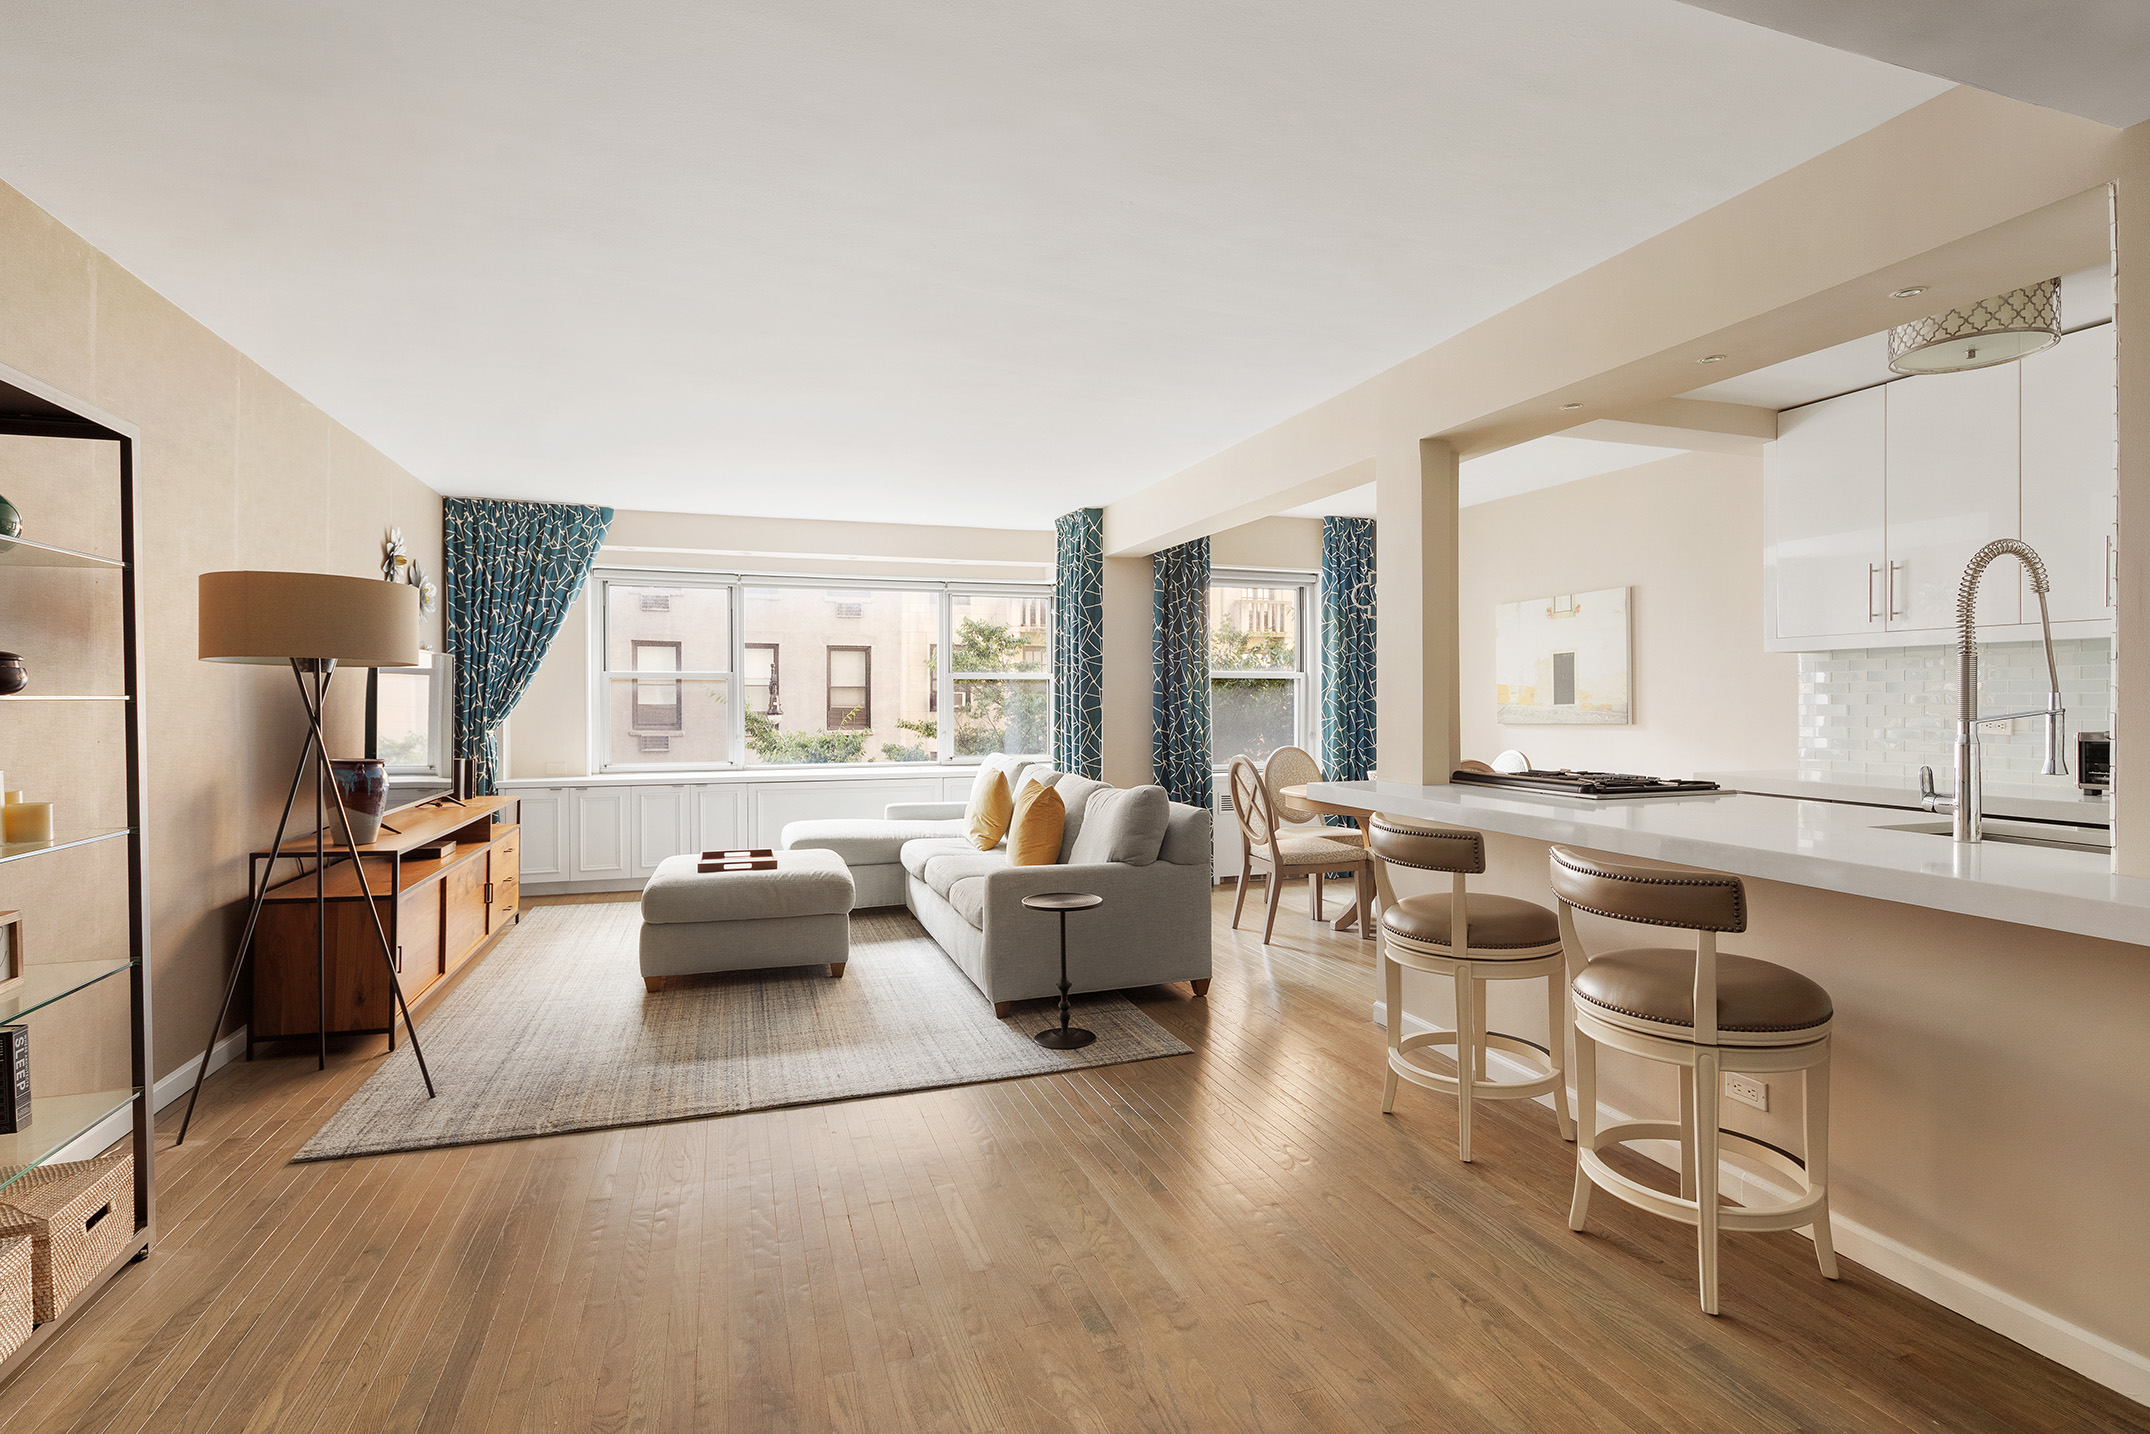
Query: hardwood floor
point(1232, 1240)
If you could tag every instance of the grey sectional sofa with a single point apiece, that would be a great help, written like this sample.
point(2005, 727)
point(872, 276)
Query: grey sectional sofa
point(1147, 857)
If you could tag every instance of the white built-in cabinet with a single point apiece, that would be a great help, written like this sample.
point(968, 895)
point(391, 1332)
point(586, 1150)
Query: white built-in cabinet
point(2070, 453)
point(604, 833)
point(1875, 501)
point(1822, 490)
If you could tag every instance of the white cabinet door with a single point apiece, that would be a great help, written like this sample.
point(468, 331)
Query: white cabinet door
point(600, 833)
point(1954, 480)
point(720, 817)
point(1822, 485)
point(2071, 456)
point(544, 830)
point(658, 821)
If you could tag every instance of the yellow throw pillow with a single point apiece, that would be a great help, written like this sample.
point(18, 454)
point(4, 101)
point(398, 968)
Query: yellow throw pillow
point(991, 808)
point(1034, 833)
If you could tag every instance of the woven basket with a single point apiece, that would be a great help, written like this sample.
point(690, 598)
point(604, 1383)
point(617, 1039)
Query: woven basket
point(16, 1303)
point(77, 1217)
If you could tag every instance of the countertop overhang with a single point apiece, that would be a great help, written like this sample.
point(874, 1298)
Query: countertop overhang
point(1828, 845)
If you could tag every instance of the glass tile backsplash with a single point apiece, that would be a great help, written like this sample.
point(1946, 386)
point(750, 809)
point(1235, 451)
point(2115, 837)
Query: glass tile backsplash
point(1886, 712)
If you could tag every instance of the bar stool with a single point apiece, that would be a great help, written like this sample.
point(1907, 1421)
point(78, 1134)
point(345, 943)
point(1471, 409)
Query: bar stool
point(1706, 1010)
point(1503, 940)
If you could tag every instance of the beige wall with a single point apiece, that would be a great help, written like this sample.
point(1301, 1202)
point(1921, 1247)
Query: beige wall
point(1706, 697)
point(549, 733)
point(233, 470)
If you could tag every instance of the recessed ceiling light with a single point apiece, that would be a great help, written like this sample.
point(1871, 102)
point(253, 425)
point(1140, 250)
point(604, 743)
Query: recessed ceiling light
point(1569, 407)
point(1712, 358)
point(1911, 293)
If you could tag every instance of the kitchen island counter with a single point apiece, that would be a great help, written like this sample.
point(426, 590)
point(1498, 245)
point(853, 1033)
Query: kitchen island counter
point(1831, 846)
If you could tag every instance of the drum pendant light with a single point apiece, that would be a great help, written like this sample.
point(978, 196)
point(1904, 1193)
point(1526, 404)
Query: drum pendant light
point(1996, 330)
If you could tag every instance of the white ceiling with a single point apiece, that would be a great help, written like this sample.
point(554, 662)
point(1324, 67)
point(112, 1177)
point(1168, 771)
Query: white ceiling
point(927, 262)
point(2086, 298)
point(2083, 57)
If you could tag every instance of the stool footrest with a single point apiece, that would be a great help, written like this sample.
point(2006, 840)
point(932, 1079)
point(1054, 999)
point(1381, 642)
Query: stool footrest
point(1482, 1089)
point(1783, 1215)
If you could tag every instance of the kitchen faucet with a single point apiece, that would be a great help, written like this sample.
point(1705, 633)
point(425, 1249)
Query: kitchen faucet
point(1968, 805)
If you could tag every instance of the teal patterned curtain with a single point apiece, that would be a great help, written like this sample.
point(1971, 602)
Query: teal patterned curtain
point(1078, 641)
point(513, 570)
point(1347, 650)
point(1179, 661)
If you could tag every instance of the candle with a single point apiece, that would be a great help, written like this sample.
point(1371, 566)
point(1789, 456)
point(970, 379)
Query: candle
point(26, 822)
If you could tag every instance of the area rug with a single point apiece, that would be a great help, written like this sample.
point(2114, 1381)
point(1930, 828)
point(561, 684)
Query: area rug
point(554, 1032)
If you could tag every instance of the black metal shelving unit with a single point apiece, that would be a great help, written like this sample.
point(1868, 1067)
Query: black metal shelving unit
point(32, 409)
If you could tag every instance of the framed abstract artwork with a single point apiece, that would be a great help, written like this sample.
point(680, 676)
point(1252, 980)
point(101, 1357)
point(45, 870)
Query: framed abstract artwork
point(1563, 660)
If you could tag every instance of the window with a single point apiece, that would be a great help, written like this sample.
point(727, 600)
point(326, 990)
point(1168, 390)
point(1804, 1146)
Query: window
point(762, 692)
point(1002, 675)
point(850, 689)
point(656, 705)
point(688, 672)
point(1258, 690)
point(409, 714)
point(681, 718)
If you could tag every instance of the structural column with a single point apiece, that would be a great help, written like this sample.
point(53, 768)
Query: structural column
point(1124, 743)
point(1417, 712)
point(2131, 590)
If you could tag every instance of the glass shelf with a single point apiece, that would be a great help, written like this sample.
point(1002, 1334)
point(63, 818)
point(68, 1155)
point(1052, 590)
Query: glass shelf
point(42, 985)
point(22, 553)
point(56, 1121)
point(17, 850)
point(64, 697)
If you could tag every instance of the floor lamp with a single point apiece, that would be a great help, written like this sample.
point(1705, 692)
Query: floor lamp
point(313, 622)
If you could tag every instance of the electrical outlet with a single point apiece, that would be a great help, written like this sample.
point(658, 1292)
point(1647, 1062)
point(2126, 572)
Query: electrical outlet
point(1747, 1090)
point(2005, 727)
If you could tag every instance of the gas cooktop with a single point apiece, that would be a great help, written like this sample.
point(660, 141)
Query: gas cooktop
point(1597, 786)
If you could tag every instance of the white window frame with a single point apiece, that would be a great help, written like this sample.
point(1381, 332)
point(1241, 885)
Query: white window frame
point(734, 678)
point(440, 706)
point(1306, 710)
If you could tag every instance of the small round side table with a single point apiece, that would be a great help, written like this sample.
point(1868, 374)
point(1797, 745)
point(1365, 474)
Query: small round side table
point(1064, 1037)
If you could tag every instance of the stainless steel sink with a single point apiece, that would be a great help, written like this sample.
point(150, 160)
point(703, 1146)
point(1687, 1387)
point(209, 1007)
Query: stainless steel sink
point(2052, 834)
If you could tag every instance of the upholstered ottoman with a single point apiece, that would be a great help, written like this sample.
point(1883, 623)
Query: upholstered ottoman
point(695, 922)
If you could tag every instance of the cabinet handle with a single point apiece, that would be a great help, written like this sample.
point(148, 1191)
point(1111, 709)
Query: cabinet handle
point(1872, 571)
point(488, 893)
point(1893, 613)
point(399, 960)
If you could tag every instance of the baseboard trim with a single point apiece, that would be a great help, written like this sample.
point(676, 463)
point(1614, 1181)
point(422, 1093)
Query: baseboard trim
point(584, 888)
point(2091, 1355)
point(116, 1127)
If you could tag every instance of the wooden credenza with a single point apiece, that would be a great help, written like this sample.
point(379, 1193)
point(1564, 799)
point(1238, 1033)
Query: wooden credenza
point(439, 915)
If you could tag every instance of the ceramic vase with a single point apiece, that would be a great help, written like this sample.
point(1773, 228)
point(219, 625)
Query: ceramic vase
point(13, 675)
point(363, 781)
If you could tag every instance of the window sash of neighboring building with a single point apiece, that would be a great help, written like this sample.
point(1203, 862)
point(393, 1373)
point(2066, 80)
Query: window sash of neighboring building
point(764, 680)
point(851, 700)
point(653, 705)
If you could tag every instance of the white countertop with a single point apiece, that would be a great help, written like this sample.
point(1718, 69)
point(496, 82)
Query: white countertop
point(2044, 804)
point(1830, 845)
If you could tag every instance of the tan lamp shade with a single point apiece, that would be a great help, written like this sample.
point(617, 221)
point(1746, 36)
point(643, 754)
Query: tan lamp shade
point(272, 617)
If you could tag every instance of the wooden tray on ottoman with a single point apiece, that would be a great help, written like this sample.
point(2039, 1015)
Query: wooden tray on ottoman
point(17, 1308)
point(77, 1217)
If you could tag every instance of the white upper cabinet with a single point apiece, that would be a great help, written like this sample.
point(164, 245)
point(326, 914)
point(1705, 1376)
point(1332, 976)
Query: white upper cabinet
point(1823, 482)
point(1875, 501)
point(2070, 454)
point(1954, 482)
